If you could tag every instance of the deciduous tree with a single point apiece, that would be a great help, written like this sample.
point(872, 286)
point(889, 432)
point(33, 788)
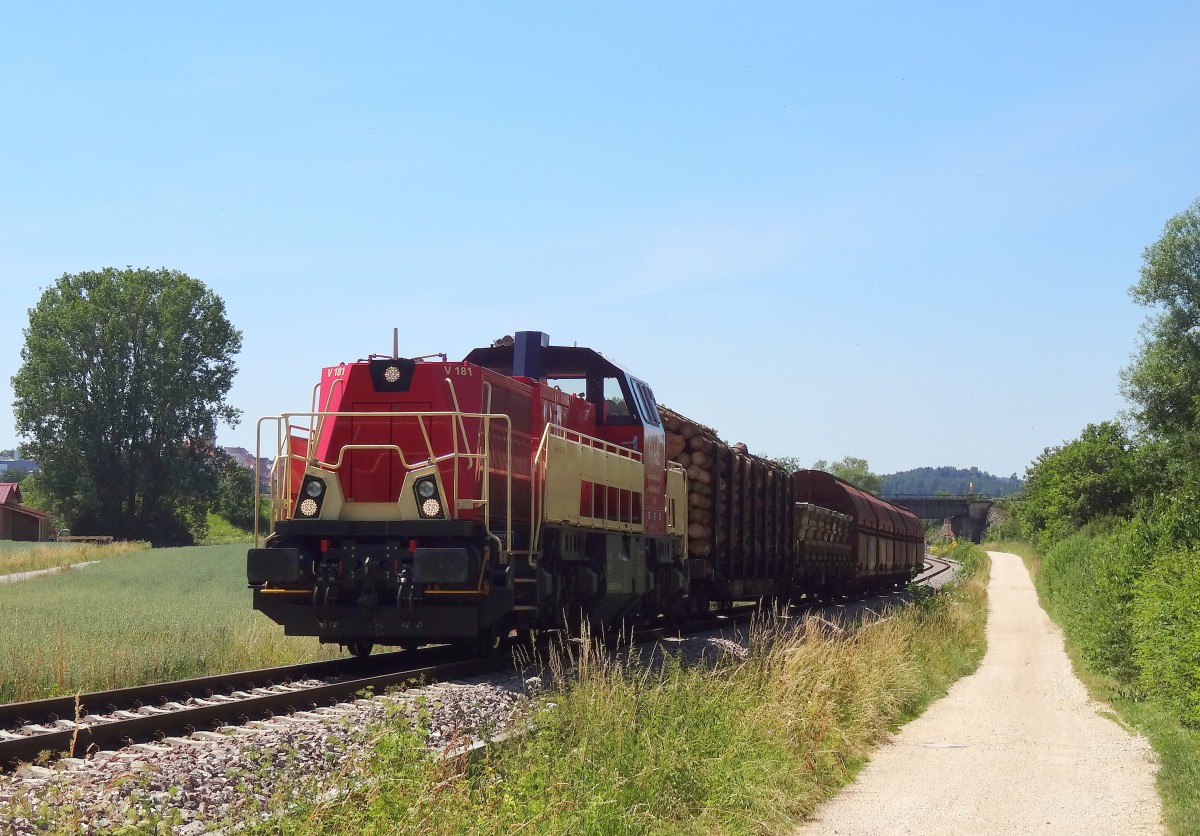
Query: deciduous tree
point(1163, 381)
point(1096, 475)
point(854, 470)
point(235, 492)
point(123, 379)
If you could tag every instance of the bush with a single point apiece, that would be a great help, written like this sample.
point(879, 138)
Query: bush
point(1166, 632)
point(1004, 528)
point(1089, 582)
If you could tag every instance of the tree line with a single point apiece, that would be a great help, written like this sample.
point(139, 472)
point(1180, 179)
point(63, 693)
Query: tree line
point(920, 481)
point(953, 481)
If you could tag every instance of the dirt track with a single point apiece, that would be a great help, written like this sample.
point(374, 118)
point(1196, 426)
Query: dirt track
point(1017, 747)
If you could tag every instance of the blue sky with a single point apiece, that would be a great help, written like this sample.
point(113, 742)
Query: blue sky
point(904, 233)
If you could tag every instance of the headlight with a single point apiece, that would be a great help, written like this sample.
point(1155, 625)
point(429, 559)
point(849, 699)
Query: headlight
point(429, 504)
point(391, 374)
point(311, 496)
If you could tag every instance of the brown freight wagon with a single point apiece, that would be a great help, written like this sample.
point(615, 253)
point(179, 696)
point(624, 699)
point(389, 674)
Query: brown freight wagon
point(887, 543)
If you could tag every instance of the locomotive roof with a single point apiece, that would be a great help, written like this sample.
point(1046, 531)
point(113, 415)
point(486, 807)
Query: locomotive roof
point(554, 360)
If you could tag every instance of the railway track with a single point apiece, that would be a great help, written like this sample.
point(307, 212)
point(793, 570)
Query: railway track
point(935, 567)
point(72, 727)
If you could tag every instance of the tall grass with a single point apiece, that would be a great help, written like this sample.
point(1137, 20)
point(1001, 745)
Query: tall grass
point(141, 617)
point(18, 556)
point(746, 746)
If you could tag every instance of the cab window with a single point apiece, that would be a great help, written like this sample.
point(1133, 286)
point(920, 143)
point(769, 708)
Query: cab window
point(576, 386)
point(617, 409)
point(646, 404)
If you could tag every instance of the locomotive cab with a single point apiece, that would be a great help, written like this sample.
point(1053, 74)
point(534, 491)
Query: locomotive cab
point(623, 411)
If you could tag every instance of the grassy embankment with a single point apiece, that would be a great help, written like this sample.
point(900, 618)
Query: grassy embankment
point(220, 532)
point(1090, 598)
point(18, 557)
point(137, 617)
point(750, 746)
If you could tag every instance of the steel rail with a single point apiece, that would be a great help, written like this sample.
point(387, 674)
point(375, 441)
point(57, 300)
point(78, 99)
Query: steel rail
point(81, 739)
point(931, 573)
point(53, 709)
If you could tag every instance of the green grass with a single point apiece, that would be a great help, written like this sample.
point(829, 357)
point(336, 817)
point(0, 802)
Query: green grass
point(135, 618)
point(16, 556)
point(222, 532)
point(749, 747)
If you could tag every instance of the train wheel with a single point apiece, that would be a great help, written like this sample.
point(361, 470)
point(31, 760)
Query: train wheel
point(360, 649)
point(526, 638)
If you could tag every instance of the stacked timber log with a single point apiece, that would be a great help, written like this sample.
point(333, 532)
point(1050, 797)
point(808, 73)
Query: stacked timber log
point(740, 509)
point(694, 447)
point(823, 542)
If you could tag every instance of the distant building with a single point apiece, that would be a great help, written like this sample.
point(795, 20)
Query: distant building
point(246, 459)
point(25, 466)
point(18, 522)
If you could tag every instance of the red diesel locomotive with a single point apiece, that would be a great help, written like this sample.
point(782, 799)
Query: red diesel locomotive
point(524, 487)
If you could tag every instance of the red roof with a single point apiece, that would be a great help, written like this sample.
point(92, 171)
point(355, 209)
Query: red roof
point(10, 493)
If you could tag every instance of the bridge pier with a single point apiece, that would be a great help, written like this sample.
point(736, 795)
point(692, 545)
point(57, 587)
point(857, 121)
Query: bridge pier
point(970, 526)
point(967, 515)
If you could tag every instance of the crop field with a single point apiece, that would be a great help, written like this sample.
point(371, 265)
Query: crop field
point(140, 617)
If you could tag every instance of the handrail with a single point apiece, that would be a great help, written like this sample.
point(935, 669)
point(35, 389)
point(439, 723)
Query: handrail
point(460, 423)
point(281, 474)
point(394, 448)
point(538, 489)
point(317, 428)
point(485, 473)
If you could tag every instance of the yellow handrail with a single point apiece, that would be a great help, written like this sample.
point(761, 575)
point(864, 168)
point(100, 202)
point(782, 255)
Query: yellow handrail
point(537, 490)
point(281, 475)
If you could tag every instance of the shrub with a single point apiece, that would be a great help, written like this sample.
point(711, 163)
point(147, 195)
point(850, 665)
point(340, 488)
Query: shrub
point(1004, 528)
point(1089, 583)
point(1166, 632)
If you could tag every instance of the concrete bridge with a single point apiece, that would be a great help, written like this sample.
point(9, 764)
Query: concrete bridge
point(967, 514)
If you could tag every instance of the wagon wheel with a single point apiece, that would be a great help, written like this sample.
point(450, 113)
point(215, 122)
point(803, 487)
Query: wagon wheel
point(360, 649)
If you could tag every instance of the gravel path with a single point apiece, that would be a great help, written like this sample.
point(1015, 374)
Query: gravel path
point(1017, 747)
point(37, 573)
